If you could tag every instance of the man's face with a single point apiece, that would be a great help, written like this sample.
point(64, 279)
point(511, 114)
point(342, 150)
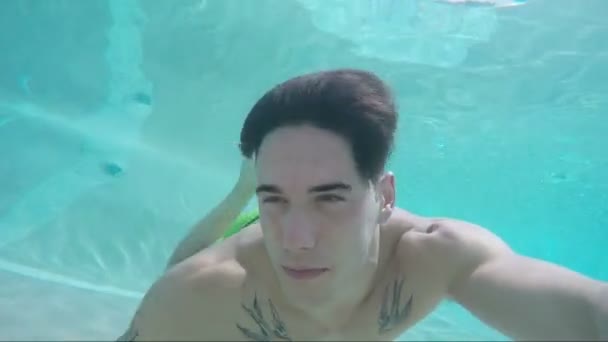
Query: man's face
point(319, 217)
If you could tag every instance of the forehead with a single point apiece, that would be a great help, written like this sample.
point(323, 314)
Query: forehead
point(305, 156)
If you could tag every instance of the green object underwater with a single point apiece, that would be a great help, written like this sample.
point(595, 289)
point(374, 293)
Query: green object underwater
point(242, 221)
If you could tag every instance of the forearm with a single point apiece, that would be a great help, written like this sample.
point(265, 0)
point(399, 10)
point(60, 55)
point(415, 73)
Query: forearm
point(213, 225)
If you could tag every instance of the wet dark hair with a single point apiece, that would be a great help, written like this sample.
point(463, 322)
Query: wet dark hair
point(354, 104)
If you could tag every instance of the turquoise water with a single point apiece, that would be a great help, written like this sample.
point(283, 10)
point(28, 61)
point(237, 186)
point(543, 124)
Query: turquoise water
point(119, 121)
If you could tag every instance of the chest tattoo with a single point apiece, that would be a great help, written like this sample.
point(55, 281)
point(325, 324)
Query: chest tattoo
point(266, 330)
point(392, 312)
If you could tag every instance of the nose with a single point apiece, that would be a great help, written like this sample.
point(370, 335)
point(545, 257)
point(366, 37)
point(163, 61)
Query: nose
point(299, 232)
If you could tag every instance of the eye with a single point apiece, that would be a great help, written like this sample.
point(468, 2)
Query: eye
point(273, 199)
point(330, 198)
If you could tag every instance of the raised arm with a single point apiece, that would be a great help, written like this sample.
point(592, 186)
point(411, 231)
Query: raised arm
point(528, 298)
point(214, 224)
point(523, 297)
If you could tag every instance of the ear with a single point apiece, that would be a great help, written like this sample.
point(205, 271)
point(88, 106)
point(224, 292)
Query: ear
point(386, 194)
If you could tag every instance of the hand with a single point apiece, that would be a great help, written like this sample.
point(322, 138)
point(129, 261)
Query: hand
point(247, 178)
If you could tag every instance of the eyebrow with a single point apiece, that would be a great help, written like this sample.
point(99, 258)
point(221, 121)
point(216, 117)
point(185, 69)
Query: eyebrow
point(335, 186)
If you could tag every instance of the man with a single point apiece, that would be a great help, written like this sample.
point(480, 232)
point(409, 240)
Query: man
point(332, 257)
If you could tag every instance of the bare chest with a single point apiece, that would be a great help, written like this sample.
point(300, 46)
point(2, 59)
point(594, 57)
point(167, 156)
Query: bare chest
point(403, 295)
point(395, 305)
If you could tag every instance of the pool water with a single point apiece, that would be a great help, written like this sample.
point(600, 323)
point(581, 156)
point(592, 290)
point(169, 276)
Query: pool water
point(119, 122)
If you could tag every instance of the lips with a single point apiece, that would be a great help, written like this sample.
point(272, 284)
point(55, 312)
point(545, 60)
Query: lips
point(304, 273)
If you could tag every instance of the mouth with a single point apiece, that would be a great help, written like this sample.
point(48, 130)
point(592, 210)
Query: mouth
point(304, 273)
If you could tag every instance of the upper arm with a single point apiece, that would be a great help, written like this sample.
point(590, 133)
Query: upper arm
point(525, 298)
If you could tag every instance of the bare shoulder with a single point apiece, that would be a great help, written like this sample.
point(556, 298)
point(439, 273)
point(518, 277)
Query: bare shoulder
point(444, 232)
point(209, 284)
point(430, 254)
point(458, 236)
point(448, 246)
point(174, 305)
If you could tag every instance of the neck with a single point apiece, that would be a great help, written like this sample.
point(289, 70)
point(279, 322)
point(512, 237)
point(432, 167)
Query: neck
point(336, 315)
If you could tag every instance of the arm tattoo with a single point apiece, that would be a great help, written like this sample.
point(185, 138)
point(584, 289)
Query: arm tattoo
point(390, 317)
point(130, 335)
point(132, 332)
point(265, 333)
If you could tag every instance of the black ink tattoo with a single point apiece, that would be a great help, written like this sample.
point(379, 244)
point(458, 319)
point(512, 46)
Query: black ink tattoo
point(130, 335)
point(266, 333)
point(390, 317)
point(132, 331)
